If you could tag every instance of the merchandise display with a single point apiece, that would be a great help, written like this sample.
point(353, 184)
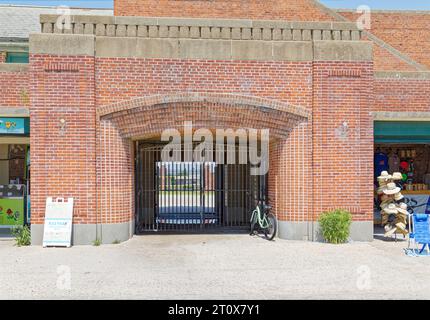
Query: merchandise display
point(404, 185)
point(394, 214)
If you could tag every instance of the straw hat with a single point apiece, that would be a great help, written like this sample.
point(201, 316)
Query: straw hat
point(388, 227)
point(384, 176)
point(401, 227)
point(383, 183)
point(403, 208)
point(397, 176)
point(391, 209)
point(380, 190)
point(385, 197)
point(398, 196)
point(385, 204)
point(391, 188)
point(390, 231)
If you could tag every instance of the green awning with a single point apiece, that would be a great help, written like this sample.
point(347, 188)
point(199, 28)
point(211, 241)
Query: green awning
point(402, 131)
point(17, 57)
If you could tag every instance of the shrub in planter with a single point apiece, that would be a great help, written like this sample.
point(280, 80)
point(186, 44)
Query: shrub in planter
point(22, 236)
point(335, 225)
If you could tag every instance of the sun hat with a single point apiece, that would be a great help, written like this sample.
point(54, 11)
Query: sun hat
point(390, 231)
point(380, 190)
point(403, 208)
point(401, 227)
point(391, 188)
point(397, 176)
point(385, 204)
point(388, 227)
point(391, 209)
point(385, 197)
point(382, 183)
point(384, 176)
point(398, 196)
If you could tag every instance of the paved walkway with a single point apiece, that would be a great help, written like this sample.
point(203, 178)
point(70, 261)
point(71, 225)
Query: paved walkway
point(214, 267)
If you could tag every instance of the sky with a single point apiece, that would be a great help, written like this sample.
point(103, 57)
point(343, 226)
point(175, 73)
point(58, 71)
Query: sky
point(373, 4)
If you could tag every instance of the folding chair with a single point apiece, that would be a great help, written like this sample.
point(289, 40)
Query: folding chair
point(420, 232)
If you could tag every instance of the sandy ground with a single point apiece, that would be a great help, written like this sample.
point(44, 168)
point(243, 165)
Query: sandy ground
point(214, 267)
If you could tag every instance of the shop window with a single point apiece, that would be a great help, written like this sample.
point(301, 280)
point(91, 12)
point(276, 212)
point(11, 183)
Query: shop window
point(17, 57)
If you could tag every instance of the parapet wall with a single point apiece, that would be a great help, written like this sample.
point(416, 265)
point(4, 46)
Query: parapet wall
point(201, 28)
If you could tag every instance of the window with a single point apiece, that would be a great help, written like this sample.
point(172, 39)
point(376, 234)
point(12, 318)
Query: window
point(17, 57)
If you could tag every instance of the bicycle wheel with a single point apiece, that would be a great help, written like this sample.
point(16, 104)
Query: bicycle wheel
point(253, 223)
point(270, 231)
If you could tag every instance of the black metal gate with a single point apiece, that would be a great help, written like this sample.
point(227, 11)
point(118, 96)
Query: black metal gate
point(192, 196)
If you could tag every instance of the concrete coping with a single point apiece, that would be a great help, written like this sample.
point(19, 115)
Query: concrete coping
point(13, 67)
point(235, 29)
point(14, 46)
point(14, 112)
point(412, 75)
point(211, 49)
point(400, 116)
point(389, 11)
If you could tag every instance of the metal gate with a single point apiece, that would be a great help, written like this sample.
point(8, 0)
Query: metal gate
point(192, 196)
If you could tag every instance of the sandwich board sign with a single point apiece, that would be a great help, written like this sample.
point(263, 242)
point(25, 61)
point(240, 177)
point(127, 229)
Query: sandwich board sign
point(57, 231)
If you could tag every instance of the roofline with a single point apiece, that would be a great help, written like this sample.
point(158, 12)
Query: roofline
point(50, 7)
point(385, 11)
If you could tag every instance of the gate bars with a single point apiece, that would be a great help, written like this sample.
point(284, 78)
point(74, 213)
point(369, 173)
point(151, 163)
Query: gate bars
point(192, 196)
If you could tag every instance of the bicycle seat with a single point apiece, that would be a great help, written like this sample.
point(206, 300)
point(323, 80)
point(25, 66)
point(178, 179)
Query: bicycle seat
point(267, 207)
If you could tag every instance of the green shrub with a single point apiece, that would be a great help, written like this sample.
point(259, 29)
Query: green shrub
point(335, 225)
point(22, 235)
point(97, 242)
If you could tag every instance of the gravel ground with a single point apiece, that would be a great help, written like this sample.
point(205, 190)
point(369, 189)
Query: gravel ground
point(214, 267)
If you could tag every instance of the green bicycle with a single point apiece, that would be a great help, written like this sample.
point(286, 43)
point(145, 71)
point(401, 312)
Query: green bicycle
point(264, 220)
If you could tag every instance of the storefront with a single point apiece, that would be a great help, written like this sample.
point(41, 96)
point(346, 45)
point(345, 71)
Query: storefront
point(14, 172)
point(404, 146)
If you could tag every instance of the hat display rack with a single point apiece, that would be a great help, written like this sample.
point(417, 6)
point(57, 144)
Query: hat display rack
point(394, 211)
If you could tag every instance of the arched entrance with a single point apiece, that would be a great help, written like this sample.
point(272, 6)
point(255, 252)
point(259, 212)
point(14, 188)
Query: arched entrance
point(184, 194)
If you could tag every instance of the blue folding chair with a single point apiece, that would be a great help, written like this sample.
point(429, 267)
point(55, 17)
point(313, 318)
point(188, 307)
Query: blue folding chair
point(420, 233)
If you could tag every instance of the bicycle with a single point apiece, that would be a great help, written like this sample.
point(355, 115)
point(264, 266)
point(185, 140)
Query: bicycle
point(265, 220)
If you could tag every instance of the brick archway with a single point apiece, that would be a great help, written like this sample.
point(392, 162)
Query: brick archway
point(146, 117)
point(141, 117)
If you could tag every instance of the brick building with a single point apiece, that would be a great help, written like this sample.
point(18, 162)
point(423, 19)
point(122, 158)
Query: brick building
point(99, 90)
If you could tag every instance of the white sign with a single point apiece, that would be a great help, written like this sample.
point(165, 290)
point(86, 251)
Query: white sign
point(58, 223)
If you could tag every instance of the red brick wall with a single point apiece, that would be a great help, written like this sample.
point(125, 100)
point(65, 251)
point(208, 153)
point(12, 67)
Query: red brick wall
point(92, 161)
point(285, 81)
point(63, 161)
point(408, 32)
point(342, 164)
point(386, 61)
point(14, 89)
point(290, 175)
point(294, 10)
point(122, 79)
point(401, 95)
point(115, 175)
